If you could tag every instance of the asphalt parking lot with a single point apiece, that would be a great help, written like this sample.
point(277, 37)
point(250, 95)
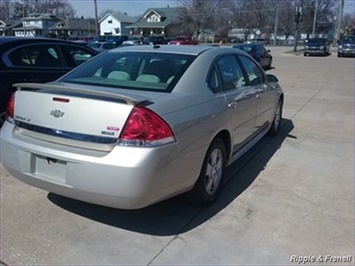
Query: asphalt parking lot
point(288, 200)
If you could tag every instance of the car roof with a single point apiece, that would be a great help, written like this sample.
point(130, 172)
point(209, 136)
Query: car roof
point(186, 49)
point(7, 42)
point(248, 44)
point(8, 39)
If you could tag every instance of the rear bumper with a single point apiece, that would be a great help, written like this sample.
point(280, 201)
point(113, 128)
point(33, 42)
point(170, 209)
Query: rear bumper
point(126, 177)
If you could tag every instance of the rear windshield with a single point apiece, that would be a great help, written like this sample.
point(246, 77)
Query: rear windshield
point(246, 48)
point(132, 70)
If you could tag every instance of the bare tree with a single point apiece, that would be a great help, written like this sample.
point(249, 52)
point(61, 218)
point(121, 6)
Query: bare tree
point(286, 15)
point(60, 8)
point(326, 11)
point(5, 7)
point(349, 20)
point(199, 15)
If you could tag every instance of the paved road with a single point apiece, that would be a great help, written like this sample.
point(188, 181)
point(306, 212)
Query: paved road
point(290, 196)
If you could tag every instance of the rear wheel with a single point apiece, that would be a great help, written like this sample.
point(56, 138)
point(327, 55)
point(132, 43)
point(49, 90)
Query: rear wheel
point(275, 127)
point(208, 184)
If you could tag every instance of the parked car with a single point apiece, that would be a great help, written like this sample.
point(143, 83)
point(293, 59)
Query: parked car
point(134, 41)
point(26, 59)
point(316, 46)
point(139, 124)
point(117, 40)
point(156, 39)
point(183, 40)
point(258, 52)
point(257, 40)
point(346, 46)
point(100, 38)
point(101, 46)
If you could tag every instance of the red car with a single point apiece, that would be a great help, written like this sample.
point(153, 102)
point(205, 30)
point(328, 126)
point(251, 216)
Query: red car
point(183, 40)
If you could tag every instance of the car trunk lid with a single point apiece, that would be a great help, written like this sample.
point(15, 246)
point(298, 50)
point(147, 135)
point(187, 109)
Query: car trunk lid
point(83, 118)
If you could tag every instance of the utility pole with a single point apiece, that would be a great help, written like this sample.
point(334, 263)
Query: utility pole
point(340, 16)
point(298, 19)
point(339, 21)
point(276, 25)
point(96, 19)
point(315, 18)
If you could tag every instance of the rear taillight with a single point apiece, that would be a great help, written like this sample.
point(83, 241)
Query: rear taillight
point(145, 128)
point(10, 109)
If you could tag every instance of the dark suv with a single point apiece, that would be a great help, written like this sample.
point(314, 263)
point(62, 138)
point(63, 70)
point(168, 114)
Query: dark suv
point(117, 40)
point(317, 46)
point(156, 39)
point(346, 46)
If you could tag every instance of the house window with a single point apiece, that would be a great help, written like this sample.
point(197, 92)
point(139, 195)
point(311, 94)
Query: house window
point(153, 18)
point(109, 21)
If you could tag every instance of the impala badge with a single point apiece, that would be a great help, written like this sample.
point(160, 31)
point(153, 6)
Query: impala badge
point(57, 113)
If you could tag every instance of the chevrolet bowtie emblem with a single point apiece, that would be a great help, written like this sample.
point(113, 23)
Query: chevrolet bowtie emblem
point(57, 113)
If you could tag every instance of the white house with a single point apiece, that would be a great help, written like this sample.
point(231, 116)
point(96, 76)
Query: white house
point(7, 26)
point(115, 24)
point(36, 25)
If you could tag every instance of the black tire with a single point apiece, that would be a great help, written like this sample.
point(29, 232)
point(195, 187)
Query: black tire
point(208, 185)
point(339, 55)
point(276, 123)
point(304, 54)
point(270, 63)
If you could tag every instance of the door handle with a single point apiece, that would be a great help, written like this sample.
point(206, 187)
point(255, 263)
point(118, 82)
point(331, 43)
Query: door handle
point(233, 105)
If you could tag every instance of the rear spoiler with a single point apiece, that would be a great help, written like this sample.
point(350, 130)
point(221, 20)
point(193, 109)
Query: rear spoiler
point(46, 86)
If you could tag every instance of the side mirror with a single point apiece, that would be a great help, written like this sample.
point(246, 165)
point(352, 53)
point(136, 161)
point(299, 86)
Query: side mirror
point(271, 78)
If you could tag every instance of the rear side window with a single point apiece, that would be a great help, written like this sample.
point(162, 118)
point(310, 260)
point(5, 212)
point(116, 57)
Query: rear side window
point(37, 56)
point(132, 70)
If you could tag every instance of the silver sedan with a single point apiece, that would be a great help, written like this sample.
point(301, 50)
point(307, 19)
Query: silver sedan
point(140, 124)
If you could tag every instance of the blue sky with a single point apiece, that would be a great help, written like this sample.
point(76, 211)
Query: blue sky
point(131, 7)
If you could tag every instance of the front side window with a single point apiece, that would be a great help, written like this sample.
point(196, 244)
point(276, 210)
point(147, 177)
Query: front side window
point(77, 55)
point(132, 70)
point(37, 56)
point(254, 73)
